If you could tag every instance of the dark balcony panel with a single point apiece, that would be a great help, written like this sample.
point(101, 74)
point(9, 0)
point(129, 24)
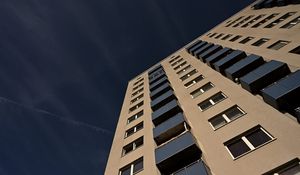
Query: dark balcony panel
point(229, 60)
point(165, 112)
point(162, 89)
point(198, 46)
point(154, 69)
point(217, 56)
point(209, 52)
point(157, 78)
point(203, 49)
point(264, 75)
point(196, 168)
point(285, 93)
point(169, 129)
point(158, 83)
point(243, 67)
point(193, 45)
point(177, 154)
point(269, 3)
point(162, 100)
point(156, 73)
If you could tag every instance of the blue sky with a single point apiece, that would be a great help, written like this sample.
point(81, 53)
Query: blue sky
point(73, 59)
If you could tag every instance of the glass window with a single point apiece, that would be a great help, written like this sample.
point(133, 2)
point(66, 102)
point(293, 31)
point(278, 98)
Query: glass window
point(176, 62)
point(138, 81)
point(279, 44)
point(186, 76)
point(235, 38)
point(194, 81)
point(296, 50)
point(213, 100)
point(265, 20)
point(212, 35)
point(173, 59)
point(201, 90)
point(137, 92)
point(244, 20)
point(279, 20)
point(132, 146)
point(218, 36)
point(226, 37)
point(226, 116)
point(184, 69)
point(135, 116)
point(260, 42)
point(244, 41)
point(136, 106)
point(292, 167)
point(249, 140)
point(253, 20)
point(133, 167)
point(137, 98)
point(291, 23)
point(134, 129)
point(234, 21)
point(180, 65)
point(138, 86)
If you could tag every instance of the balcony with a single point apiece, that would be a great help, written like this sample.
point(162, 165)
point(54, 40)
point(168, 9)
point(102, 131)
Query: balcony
point(243, 67)
point(264, 75)
point(177, 154)
point(162, 89)
point(209, 52)
point(157, 78)
point(198, 46)
point(229, 60)
point(285, 93)
point(162, 100)
point(155, 74)
point(193, 45)
point(165, 112)
point(196, 168)
point(217, 56)
point(169, 129)
point(158, 83)
point(203, 49)
point(154, 69)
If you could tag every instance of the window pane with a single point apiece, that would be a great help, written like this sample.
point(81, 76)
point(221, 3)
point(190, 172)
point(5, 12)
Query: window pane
point(196, 93)
point(217, 122)
point(291, 170)
point(218, 97)
point(238, 148)
point(138, 166)
point(279, 44)
point(234, 113)
point(126, 171)
point(204, 105)
point(206, 87)
point(258, 137)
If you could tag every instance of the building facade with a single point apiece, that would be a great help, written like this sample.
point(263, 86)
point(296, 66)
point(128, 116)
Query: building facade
point(228, 103)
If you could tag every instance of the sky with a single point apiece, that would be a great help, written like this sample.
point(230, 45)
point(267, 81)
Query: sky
point(66, 63)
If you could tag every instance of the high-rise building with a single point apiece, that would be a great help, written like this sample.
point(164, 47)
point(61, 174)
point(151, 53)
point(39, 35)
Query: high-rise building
point(228, 103)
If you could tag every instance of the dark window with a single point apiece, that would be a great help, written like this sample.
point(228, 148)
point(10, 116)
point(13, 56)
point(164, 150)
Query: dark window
point(136, 106)
point(184, 69)
point(173, 59)
point(279, 44)
point(138, 81)
point(248, 141)
point(218, 36)
point(133, 146)
point(292, 167)
point(212, 35)
point(244, 20)
point(194, 81)
point(244, 41)
point(296, 50)
point(291, 23)
point(133, 167)
point(137, 92)
point(253, 20)
point(135, 116)
point(134, 129)
point(201, 90)
point(235, 38)
point(137, 98)
point(186, 76)
point(265, 20)
point(279, 20)
point(176, 62)
point(226, 37)
point(180, 65)
point(138, 86)
point(260, 42)
point(234, 21)
point(213, 100)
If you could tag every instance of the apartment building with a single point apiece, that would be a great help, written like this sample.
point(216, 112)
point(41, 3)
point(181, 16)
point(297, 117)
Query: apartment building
point(228, 103)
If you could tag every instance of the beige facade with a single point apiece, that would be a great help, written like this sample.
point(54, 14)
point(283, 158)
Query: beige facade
point(239, 132)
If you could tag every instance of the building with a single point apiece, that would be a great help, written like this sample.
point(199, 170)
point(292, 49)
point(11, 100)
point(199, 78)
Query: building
point(225, 104)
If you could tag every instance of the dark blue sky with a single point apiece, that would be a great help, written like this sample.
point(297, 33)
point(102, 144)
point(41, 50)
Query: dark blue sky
point(73, 58)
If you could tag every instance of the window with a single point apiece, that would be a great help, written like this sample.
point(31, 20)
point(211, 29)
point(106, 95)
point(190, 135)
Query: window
point(135, 116)
point(138, 81)
point(279, 44)
point(290, 168)
point(296, 50)
point(134, 129)
point(138, 86)
point(244, 41)
point(265, 20)
point(175, 63)
point(186, 76)
point(213, 100)
point(133, 146)
point(212, 35)
point(173, 59)
point(235, 38)
point(137, 92)
point(156, 74)
point(226, 117)
point(291, 23)
point(132, 168)
point(221, 34)
point(248, 141)
point(136, 106)
point(137, 98)
point(201, 90)
point(180, 65)
point(194, 81)
point(184, 69)
point(244, 20)
point(234, 21)
point(260, 42)
point(226, 37)
point(279, 20)
point(253, 20)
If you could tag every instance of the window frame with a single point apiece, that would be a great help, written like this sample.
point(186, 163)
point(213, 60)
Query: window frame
point(132, 165)
point(193, 81)
point(134, 146)
point(135, 116)
point(135, 129)
point(201, 89)
point(279, 43)
point(211, 101)
point(188, 75)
